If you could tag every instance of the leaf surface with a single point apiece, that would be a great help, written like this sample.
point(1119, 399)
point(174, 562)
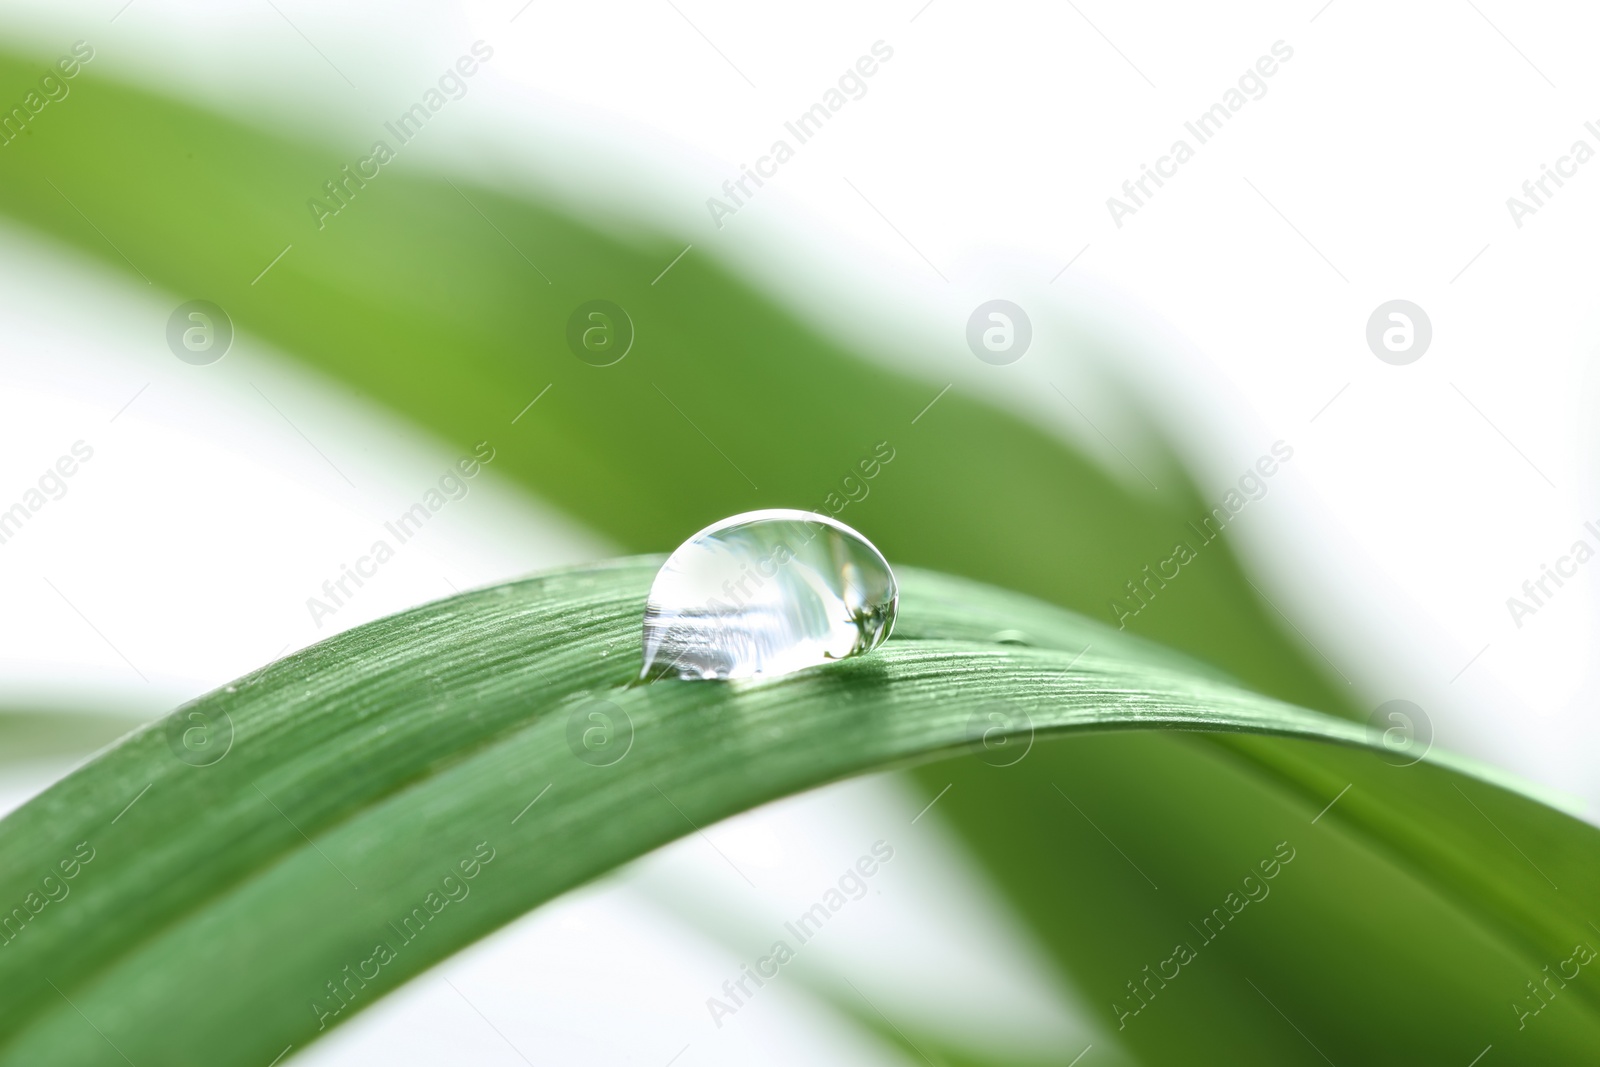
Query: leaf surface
point(383, 798)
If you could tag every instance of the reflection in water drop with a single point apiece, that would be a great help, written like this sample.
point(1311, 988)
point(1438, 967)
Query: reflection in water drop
point(766, 593)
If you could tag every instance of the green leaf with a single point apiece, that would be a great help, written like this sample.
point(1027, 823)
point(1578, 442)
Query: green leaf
point(420, 294)
point(352, 778)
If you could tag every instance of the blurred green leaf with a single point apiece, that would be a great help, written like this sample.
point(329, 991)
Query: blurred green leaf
point(30, 735)
point(419, 295)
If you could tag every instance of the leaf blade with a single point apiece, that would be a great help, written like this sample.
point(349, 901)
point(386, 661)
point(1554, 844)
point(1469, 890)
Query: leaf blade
point(382, 758)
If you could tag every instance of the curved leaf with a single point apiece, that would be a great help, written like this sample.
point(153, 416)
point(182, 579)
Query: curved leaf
point(418, 782)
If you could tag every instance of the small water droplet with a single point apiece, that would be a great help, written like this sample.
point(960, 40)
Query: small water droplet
point(766, 593)
point(1011, 637)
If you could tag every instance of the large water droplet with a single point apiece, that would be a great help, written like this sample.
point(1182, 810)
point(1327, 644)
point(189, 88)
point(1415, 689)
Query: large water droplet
point(766, 593)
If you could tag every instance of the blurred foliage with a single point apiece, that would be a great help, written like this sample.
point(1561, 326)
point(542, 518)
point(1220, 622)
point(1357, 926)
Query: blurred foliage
point(32, 735)
point(422, 295)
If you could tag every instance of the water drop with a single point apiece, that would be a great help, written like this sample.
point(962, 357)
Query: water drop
point(766, 593)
